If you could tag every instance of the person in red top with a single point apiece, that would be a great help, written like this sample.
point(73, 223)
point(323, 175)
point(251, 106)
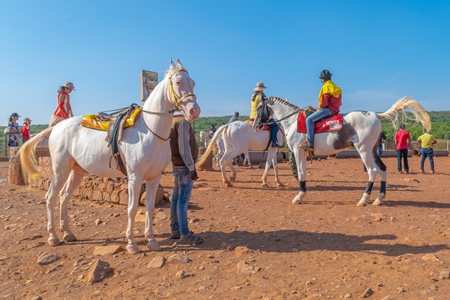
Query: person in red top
point(64, 110)
point(26, 130)
point(402, 140)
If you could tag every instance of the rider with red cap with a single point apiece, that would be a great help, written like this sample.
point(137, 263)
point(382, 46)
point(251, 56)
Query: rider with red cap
point(330, 101)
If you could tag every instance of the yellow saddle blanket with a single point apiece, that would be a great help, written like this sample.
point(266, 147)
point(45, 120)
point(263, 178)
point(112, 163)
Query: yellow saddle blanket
point(96, 122)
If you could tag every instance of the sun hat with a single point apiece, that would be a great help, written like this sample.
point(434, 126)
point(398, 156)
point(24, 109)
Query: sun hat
point(27, 120)
point(69, 85)
point(260, 87)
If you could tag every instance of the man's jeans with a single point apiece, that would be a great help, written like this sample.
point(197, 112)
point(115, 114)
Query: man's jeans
point(402, 153)
point(427, 152)
point(180, 200)
point(312, 118)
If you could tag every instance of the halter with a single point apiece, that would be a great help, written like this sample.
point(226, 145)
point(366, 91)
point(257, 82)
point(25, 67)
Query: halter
point(172, 94)
point(297, 111)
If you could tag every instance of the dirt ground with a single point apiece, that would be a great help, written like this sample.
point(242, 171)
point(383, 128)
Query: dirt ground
point(257, 244)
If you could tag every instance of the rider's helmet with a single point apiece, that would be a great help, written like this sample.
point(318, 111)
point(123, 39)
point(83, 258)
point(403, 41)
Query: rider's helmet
point(325, 75)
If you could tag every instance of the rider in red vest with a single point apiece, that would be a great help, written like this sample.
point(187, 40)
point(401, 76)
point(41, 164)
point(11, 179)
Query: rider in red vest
point(330, 101)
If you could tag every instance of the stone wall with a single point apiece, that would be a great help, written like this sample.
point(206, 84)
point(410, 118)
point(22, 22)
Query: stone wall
point(99, 189)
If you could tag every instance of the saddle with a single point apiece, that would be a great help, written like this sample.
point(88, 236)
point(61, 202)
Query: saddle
point(327, 124)
point(114, 124)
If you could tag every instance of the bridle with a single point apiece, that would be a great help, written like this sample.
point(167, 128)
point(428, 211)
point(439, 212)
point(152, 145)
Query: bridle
point(296, 112)
point(174, 98)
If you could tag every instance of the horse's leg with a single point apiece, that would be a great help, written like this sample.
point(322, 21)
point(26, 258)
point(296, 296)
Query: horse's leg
point(275, 168)
point(223, 163)
point(72, 183)
point(247, 158)
point(134, 188)
point(300, 159)
point(59, 177)
point(151, 189)
point(383, 175)
point(368, 160)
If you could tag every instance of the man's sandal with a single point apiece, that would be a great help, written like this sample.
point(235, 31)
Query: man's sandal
point(191, 239)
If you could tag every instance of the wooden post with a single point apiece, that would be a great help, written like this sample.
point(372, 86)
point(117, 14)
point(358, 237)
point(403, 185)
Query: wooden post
point(207, 166)
point(15, 169)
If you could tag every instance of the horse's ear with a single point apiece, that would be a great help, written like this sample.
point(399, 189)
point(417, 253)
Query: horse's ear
point(172, 65)
point(179, 65)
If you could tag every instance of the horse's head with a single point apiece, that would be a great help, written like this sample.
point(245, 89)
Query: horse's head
point(181, 91)
point(202, 136)
point(263, 111)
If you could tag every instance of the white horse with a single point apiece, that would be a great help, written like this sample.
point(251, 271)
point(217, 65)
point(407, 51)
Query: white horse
point(144, 148)
point(204, 138)
point(361, 129)
point(239, 137)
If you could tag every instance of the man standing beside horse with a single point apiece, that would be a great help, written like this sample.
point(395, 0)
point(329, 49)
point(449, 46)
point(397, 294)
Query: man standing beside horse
point(330, 101)
point(184, 155)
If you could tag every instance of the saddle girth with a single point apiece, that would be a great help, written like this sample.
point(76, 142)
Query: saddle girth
point(114, 136)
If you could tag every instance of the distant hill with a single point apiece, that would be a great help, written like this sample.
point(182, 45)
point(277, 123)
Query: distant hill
point(440, 127)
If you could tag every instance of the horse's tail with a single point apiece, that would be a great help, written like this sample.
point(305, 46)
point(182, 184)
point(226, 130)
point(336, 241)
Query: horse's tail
point(212, 144)
point(28, 159)
point(419, 113)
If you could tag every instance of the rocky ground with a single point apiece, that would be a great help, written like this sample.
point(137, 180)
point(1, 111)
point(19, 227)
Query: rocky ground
point(257, 244)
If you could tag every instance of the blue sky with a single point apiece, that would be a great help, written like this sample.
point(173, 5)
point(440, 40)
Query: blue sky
point(378, 52)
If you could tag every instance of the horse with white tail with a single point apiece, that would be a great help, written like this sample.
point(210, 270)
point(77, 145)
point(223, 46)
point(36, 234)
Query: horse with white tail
point(361, 129)
point(239, 137)
point(144, 148)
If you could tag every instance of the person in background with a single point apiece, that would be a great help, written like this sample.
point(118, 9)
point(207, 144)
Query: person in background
point(26, 130)
point(380, 144)
point(256, 98)
point(402, 140)
point(427, 140)
point(64, 110)
point(212, 130)
point(13, 130)
point(330, 101)
point(234, 118)
point(184, 155)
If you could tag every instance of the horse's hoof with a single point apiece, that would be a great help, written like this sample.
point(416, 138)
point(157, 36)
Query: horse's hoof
point(377, 202)
point(265, 185)
point(69, 237)
point(154, 246)
point(362, 203)
point(228, 184)
point(280, 184)
point(232, 179)
point(133, 248)
point(296, 200)
point(53, 241)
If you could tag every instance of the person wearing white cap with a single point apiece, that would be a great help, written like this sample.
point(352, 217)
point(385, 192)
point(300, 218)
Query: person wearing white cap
point(64, 110)
point(256, 98)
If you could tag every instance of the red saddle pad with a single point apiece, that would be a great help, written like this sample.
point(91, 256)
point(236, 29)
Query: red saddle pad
point(333, 123)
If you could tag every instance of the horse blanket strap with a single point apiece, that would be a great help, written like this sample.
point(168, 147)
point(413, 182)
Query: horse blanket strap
point(328, 124)
point(114, 136)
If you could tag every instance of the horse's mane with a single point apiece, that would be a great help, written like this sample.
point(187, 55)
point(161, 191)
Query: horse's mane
point(284, 102)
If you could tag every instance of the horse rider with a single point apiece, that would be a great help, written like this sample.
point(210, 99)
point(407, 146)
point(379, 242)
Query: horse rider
point(257, 98)
point(330, 101)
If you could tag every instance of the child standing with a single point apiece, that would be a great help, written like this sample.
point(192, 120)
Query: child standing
point(26, 130)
